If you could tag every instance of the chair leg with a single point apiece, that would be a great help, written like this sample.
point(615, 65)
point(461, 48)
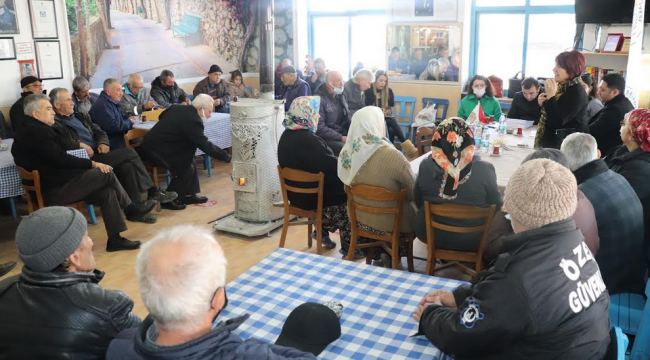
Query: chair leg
point(285, 227)
point(207, 163)
point(395, 259)
point(431, 261)
point(91, 212)
point(409, 255)
point(319, 239)
point(309, 230)
point(12, 206)
point(353, 243)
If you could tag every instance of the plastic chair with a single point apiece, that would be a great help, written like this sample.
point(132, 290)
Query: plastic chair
point(35, 178)
point(456, 211)
point(619, 343)
point(404, 113)
point(376, 194)
point(440, 104)
point(314, 218)
point(631, 313)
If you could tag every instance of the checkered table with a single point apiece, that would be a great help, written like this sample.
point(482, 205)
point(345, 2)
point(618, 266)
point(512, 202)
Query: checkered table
point(377, 303)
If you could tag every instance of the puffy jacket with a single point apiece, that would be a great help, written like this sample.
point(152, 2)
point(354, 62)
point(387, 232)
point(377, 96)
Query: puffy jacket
point(60, 315)
point(334, 115)
point(130, 102)
point(220, 91)
point(167, 96)
point(218, 344)
point(107, 114)
point(543, 299)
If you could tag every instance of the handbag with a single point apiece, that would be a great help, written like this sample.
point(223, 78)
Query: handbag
point(514, 84)
point(497, 85)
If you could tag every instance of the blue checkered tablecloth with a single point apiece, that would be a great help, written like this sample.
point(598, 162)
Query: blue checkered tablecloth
point(217, 130)
point(9, 180)
point(377, 303)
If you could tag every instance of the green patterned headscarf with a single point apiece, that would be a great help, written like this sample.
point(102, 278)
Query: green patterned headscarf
point(303, 114)
point(541, 126)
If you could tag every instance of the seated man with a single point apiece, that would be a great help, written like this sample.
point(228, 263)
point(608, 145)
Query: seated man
point(77, 131)
point(56, 309)
point(317, 77)
point(136, 98)
point(395, 61)
point(30, 85)
point(182, 276)
point(354, 90)
point(166, 92)
point(66, 179)
point(334, 114)
point(418, 64)
point(82, 97)
point(619, 215)
point(524, 104)
point(107, 113)
point(173, 142)
point(216, 87)
point(292, 87)
point(605, 125)
point(543, 299)
point(278, 81)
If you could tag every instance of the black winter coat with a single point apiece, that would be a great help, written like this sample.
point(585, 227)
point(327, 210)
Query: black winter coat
point(605, 125)
point(177, 135)
point(167, 96)
point(305, 151)
point(543, 299)
point(69, 138)
point(335, 116)
point(523, 109)
point(60, 315)
point(16, 113)
point(37, 146)
point(569, 112)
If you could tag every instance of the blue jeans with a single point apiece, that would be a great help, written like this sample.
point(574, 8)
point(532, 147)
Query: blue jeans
point(224, 109)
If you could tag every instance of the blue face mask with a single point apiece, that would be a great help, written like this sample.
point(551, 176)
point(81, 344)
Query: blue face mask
point(337, 91)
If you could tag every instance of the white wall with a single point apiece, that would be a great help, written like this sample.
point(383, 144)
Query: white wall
point(10, 90)
point(590, 35)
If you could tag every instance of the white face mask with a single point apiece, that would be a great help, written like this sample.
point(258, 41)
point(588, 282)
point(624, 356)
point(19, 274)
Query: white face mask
point(204, 118)
point(479, 92)
point(337, 91)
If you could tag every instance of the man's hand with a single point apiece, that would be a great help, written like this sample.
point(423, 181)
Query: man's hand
point(420, 309)
point(445, 298)
point(187, 101)
point(132, 119)
point(217, 102)
point(314, 78)
point(102, 167)
point(344, 139)
point(88, 149)
point(149, 104)
point(542, 98)
point(103, 149)
point(550, 87)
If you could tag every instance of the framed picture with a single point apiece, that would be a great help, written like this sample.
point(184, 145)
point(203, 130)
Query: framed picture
point(48, 59)
point(8, 19)
point(27, 68)
point(7, 48)
point(43, 18)
point(626, 44)
point(613, 43)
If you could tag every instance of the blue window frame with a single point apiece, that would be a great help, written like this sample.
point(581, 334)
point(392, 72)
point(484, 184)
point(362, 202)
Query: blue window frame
point(527, 11)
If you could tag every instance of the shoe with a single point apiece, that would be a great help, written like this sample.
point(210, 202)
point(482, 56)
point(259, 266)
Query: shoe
point(138, 209)
point(386, 260)
point(194, 199)
point(163, 196)
point(327, 241)
point(410, 151)
point(122, 244)
point(146, 218)
point(173, 205)
point(7, 267)
point(358, 254)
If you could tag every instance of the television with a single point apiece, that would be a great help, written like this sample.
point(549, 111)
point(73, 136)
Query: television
point(607, 11)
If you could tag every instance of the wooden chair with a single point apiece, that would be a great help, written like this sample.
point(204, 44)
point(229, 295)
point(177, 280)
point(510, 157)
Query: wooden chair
point(423, 139)
point(456, 211)
point(35, 204)
point(373, 193)
point(156, 171)
point(313, 218)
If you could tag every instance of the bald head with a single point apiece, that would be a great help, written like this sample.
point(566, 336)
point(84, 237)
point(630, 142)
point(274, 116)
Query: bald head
point(334, 79)
point(285, 62)
point(135, 84)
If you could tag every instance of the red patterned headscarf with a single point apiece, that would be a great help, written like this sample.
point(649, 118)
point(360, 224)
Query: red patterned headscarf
point(639, 127)
point(453, 150)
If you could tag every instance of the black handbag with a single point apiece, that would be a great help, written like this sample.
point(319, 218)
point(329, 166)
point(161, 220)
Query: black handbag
point(514, 84)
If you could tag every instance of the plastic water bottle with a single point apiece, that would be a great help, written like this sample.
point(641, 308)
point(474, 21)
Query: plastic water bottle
point(485, 142)
point(502, 125)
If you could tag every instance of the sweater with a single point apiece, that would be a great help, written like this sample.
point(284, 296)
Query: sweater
point(387, 168)
point(238, 90)
point(489, 104)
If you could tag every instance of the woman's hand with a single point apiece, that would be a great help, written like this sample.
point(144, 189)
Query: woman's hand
point(542, 98)
point(550, 87)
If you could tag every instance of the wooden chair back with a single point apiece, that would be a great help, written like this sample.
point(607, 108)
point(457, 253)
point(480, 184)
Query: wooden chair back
point(423, 139)
point(462, 212)
point(35, 179)
point(132, 135)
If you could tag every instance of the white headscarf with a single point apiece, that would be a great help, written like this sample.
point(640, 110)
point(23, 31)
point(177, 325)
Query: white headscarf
point(366, 135)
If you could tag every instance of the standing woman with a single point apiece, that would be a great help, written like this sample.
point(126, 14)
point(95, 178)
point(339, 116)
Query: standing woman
point(564, 103)
point(595, 105)
point(480, 90)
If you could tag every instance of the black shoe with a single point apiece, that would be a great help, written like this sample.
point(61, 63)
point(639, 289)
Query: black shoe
point(146, 218)
point(137, 209)
point(7, 267)
point(194, 199)
point(173, 205)
point(122, 244)
point(163, 196)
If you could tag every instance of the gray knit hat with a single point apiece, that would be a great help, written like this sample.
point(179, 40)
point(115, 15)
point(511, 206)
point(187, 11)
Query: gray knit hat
point(48, 236)
point(541, 192)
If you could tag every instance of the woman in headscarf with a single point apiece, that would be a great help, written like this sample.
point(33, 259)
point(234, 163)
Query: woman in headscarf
point(564, 102)
point(300, 149)
point(454, 174)
point(632, 161)
point(368, 158)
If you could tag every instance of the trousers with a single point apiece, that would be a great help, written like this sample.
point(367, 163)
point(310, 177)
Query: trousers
point(129, 169)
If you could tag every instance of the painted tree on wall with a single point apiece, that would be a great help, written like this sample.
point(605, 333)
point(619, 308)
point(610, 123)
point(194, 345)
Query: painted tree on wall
point(245, 11)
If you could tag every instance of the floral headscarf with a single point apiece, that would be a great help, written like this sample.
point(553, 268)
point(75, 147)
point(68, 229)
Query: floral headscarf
point(366, 135)
point(639, 127)
point(453, 150)
point(303, 114)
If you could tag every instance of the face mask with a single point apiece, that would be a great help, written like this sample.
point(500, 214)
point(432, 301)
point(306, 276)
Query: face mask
point(479, 92)
point(204, 118)
point(337, 91)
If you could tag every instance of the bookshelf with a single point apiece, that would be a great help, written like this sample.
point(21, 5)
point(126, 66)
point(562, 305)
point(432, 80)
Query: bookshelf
point(599, 64)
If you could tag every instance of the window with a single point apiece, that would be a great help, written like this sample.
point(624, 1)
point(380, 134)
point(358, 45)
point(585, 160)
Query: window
point(331, 42)
point(500, 55)
point(545, 42)
point(500, 2)
point(368, 44)
point(552, 2)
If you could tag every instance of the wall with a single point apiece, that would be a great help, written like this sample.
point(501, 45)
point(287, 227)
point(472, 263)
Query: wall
point(10, 91)
point(284, 37)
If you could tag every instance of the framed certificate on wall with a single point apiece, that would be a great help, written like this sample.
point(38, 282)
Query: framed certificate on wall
point(48, 59)
point(43, 18)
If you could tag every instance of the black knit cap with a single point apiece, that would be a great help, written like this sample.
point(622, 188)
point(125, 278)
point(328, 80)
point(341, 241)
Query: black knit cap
point(214, 69)
point(27, 80)
point(310, 327)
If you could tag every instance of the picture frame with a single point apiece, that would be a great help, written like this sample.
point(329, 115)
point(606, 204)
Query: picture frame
point(614, 42)
point(42, 14)
point(27, 68)
point(48, 59)
point(7, 48)
point(626, 44)
point(9, 18)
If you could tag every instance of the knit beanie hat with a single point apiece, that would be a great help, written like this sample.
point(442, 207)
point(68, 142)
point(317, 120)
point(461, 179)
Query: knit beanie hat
point(214, 69)
point(48, 236)
point(541, 192)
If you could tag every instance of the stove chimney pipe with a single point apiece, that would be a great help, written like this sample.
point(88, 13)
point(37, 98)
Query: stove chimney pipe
point(267, 48)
